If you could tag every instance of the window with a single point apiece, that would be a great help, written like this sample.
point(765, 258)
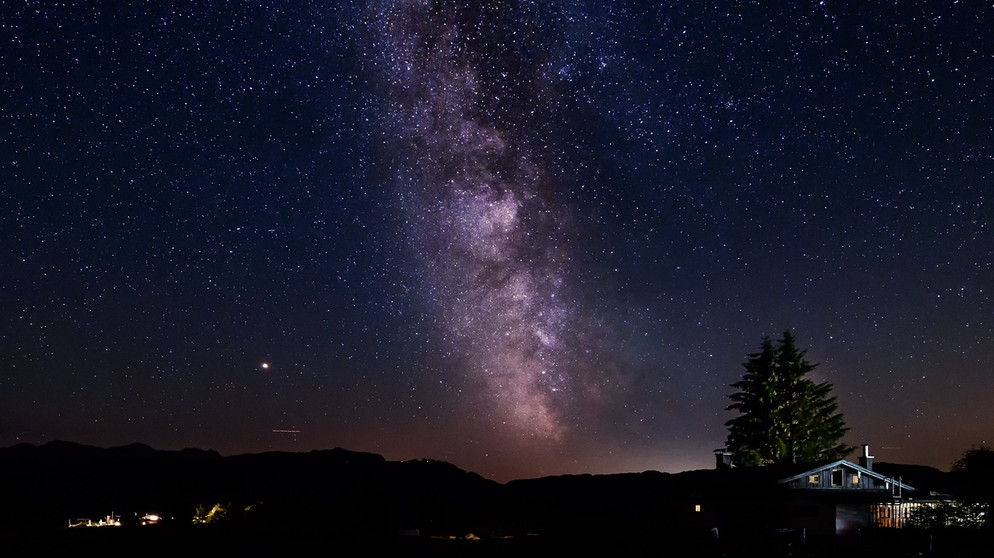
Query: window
point(837, 477)
point(697, 507)
point(814, 479)
point(855, 479)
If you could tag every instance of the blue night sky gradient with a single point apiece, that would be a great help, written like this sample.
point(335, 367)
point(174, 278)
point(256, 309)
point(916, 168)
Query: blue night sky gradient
point(525, 238)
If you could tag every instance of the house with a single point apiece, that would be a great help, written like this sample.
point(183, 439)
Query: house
point(825, 498)
point(843, 497)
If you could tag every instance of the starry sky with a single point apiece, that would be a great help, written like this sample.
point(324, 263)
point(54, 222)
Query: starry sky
point(527, 238)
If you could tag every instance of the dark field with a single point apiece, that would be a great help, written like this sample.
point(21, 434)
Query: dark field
point(215, 542)
point(342, 503)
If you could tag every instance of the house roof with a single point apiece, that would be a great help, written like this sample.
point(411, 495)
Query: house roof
point(849, 465)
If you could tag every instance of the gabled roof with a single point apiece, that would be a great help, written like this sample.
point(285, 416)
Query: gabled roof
point(850, 465)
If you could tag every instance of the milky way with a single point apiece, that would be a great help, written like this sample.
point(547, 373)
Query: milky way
point(524, 237)
point(489, 241)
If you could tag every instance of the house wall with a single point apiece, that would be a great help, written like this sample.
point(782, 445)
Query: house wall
point(816, 516)
point(839, 478)
point(825, 516)
point(851, 518)
point(890, 514)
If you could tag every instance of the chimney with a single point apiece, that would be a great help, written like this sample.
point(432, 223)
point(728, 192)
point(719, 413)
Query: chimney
point(722, 459)
point(866, 461)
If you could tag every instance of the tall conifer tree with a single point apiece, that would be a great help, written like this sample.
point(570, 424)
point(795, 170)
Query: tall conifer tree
point(784, 416)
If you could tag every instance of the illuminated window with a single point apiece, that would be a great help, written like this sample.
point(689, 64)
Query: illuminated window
point(697, 507)
point(814, 478)
point(855, 479)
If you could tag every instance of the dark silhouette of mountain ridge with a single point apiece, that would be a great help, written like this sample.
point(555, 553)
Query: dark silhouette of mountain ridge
point(55, 483)
point(348, 495)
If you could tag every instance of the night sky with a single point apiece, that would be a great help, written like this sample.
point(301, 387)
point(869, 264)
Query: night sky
point(527, 238)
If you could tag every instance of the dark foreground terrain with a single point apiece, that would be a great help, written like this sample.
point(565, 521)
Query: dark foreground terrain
point(217, 542)
point(342, 503)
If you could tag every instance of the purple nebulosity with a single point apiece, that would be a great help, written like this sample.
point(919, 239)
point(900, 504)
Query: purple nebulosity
point(604, 206)
point(487, 238)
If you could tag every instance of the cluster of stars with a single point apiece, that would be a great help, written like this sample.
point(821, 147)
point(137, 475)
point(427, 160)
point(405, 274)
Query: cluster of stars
point(481, 225)
point(527, 237)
